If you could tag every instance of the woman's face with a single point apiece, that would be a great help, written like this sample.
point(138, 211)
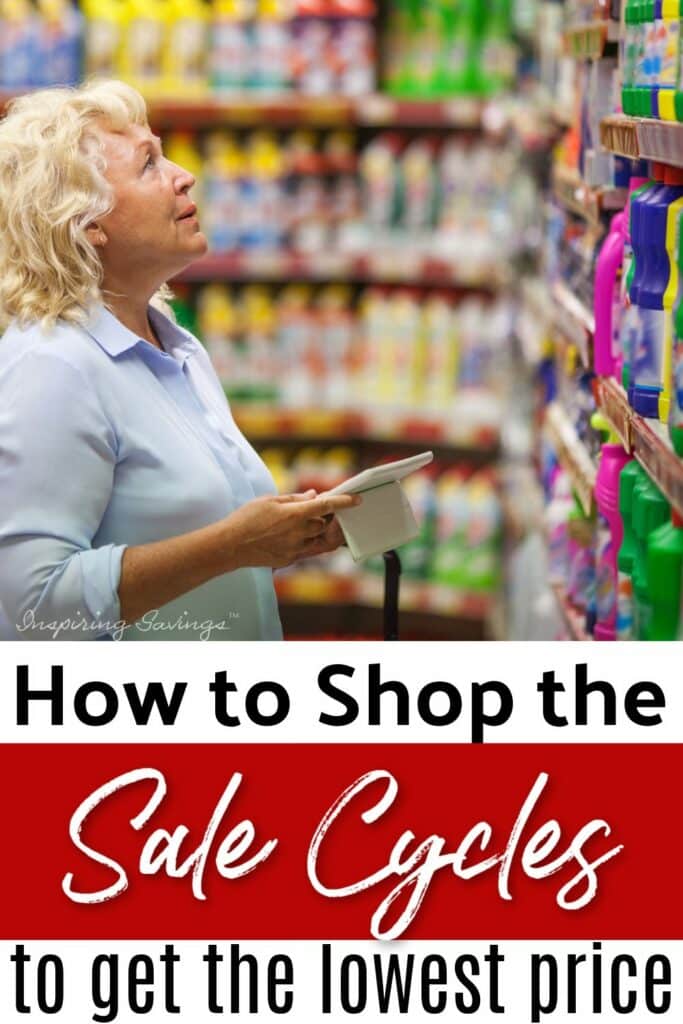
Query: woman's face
point(153, 231)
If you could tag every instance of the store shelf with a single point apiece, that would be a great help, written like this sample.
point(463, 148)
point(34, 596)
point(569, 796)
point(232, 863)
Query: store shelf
point(264, 424)
point(398, 265)
point(314, 586)
point(582, 200)
point(643, 138)
point(614, 404)
point(588, 41)
point(572, 454)
point(573, 619)
point(574, 320)
point(291, 109)
point(648, 440)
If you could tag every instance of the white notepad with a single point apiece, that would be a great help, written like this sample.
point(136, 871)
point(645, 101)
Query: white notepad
point(385, 519)
point(384, 474)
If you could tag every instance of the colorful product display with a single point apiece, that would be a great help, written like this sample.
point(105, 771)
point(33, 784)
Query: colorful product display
point(191, 48)
point(437, 48)
point(385, 348)
point(458, 511)
point(310, 192)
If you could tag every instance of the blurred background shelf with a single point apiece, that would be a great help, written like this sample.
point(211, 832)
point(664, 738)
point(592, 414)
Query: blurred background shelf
point(583, 200)
point(267, 425)
point(573, 619)
point(589, 40)
point(397, 266)
point(572, 454)
point(574, 320)
point(355, 603)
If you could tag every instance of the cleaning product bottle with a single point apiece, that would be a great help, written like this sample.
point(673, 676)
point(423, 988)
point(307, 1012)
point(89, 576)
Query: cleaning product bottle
point(144, 40)
point(453, 515)
point(185, 58)
point(222, 202)
point(475, 16)
point(229, 53)
point(654, 290)
point(651, 510)
point(60, 43)
point(263, 210)
point(676, 372)
point(669, 47)
point(497, 65)
point(104, 21)
point(629, 319)
point(272, 38)
point(613, 458)
point(631, 475)
point(451, 63)
point(18, 44)
point(397, 71)
point(216, 320)
point(607, 299)
point(678, 95)
point(481, 563)
point(442, 353)
point(673, 228)
point(630, 58)
point(664, 567)
point(428, 48)
point(648, 94)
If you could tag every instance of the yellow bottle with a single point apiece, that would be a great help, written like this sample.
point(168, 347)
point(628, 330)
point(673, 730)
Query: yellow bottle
point(218, 328)
point(230, 47)
point(145, 24)
point(185, 59)
point(104, 21)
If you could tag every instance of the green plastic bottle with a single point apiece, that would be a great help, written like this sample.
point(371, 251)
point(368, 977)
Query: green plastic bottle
point(630, 58)
point(451, 66)
point(496, 70)
point(474, 20)
point(664, 566)
point(648, 93)
point(651, 509)
point(631, 475)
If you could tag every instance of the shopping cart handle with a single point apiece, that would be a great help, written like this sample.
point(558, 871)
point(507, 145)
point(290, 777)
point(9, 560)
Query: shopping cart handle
point(392, 575)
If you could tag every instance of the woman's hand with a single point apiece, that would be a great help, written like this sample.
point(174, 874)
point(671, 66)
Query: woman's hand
point(271, 531)
point(277, 530)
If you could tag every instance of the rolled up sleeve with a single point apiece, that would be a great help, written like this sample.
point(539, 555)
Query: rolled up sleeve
point(57, 464)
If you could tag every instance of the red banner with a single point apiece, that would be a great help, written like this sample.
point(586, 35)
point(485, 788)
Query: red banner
point(511, 842)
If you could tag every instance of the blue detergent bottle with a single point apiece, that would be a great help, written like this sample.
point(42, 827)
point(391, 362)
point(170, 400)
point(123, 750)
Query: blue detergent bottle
point(630, 317)
point(651, 289)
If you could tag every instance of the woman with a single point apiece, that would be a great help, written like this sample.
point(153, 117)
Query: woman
point(130, 504)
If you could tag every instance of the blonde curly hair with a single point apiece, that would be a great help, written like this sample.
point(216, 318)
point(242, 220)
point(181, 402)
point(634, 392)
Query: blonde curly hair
point(52, 185)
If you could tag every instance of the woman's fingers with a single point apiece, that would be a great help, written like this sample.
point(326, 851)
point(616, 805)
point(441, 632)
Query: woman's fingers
point(286, 499)
point(329, 504)
point(314, 527)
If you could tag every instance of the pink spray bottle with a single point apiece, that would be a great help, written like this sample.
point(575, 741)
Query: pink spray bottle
point(607, 303)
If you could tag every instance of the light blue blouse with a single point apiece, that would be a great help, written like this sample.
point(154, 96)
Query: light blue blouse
point(106, 441)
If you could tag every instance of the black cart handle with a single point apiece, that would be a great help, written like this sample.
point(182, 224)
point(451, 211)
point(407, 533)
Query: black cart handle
point(392, 576)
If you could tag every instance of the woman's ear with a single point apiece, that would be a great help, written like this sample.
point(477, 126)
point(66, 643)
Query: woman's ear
point(96, 235)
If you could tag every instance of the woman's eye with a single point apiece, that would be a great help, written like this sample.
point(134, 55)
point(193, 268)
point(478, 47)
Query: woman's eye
point(150, 161)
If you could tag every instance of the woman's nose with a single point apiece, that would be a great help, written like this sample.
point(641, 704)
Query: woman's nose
point(184, 180)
